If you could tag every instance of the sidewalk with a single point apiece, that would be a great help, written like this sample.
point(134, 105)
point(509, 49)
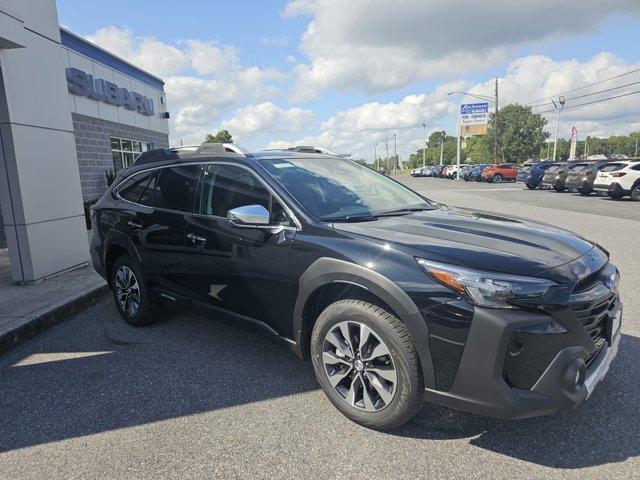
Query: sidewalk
point(26, 310)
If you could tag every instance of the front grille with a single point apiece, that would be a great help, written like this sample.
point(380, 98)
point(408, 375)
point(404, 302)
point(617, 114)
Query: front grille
point(594, 315)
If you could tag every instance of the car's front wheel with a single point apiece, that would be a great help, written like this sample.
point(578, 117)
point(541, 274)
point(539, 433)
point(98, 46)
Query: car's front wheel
point(531, 186)
point(497, 178)
point(635, 193)
point(367, 365)
point(134, 302)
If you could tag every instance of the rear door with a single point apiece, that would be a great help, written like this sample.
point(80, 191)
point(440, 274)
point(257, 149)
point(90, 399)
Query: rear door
point(241, 270)
point(163, 229)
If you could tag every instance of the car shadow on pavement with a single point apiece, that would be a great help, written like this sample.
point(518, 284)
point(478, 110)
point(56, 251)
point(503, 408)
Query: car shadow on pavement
point(180, 366)
point(186, 365)
point(605, 429)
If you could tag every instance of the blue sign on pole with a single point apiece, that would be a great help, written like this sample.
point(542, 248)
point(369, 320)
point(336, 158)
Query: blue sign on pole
point(470, 108)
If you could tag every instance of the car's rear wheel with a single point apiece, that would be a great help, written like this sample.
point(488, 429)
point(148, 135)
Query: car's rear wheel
point(367, 365)
point(558, 188)
point(635, 193)
point(531, 186)
point(584, 192)
point(130, 293)
point(497, 178)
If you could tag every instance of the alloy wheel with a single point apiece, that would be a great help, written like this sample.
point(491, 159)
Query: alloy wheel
point(127, 291)
point(358, 365)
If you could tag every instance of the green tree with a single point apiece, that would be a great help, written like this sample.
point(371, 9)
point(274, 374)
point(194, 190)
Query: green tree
point(223, 136)
point(521, 133)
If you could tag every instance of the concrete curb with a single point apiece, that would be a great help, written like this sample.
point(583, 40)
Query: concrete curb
point(25, 328)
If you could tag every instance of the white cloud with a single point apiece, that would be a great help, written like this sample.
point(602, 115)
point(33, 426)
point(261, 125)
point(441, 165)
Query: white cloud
point(537, 77)
point(387, 44)
point(267, 117)
point(197, 101)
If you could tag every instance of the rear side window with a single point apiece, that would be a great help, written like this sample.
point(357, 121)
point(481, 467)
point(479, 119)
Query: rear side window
point(175, 187)
point(636, 167)
point(136, 189)
point(612, 167)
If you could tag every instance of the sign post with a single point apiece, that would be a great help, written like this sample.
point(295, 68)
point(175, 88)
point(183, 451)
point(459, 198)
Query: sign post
point(574, 143)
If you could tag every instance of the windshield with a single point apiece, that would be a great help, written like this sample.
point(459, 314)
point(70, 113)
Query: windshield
point(333, 189)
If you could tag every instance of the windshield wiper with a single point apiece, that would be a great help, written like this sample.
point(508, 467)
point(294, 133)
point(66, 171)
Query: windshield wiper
point(348, 218)
point(397, 211)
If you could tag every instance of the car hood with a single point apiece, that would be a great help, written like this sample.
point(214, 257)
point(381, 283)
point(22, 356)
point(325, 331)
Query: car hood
point(475, 239)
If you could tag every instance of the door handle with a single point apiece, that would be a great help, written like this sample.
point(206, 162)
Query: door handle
point(196, 239)
point(135, 226)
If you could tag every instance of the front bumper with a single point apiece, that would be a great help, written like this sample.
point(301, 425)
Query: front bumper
point(480, 385)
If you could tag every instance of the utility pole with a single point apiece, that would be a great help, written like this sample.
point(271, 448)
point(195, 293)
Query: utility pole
point(636, 153)
point(375, 156)
point(586, 147)
point(386, 143)
point(395, 152)
point(496, 127)
point(558, 108)
point(442, 146)
point(458, 150)
point(424, 150)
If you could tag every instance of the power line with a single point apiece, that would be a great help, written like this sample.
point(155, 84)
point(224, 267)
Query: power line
point(590, 94)
point(585, 86)
point(594, 101)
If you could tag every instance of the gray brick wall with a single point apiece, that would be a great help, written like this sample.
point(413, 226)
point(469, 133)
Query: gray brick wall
point(94, 149)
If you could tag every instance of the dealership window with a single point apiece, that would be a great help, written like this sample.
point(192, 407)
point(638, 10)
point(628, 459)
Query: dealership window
point(126, 151)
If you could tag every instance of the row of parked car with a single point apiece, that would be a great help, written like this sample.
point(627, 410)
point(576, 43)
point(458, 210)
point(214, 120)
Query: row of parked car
point(615, 178)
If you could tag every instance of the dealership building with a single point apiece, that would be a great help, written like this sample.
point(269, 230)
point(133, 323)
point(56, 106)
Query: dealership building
point(70, 113)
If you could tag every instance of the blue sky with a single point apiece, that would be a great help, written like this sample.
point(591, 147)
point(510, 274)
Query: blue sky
point(347, 85)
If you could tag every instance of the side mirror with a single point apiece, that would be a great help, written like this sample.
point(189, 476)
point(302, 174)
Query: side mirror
point(249, 216)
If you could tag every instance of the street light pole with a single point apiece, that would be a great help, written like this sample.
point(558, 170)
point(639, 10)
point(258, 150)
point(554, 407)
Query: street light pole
point(386, 162)
point(442, 146)
point(496, 127)
point(424, 150)
point(558, 108)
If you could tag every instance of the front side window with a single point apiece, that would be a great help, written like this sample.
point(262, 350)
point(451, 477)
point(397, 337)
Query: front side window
point(226, 187)
point(175, 187)
point(332, 188)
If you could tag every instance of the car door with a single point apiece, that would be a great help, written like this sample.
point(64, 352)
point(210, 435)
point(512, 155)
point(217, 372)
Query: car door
point(244, 271)
point(163, 227)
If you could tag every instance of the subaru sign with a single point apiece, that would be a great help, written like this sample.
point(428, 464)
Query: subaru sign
point(82, 83)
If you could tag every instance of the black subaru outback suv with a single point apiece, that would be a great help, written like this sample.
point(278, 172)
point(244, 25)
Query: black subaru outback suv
point(395, 298)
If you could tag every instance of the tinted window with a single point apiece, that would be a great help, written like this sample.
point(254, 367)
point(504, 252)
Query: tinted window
point(147, 195)
point(553, 168)
point(637, 167)
point(136, 187)
point(227, 187)
point(578, 167)
point(175, 187)
point(612, 167)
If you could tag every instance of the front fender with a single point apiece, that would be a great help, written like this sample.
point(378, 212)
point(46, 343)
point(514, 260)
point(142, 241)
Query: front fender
point(326, 271)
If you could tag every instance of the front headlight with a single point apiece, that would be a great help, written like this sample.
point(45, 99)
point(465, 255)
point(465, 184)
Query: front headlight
point(486, 289)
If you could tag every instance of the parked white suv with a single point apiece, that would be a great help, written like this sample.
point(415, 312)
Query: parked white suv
point(619, 179)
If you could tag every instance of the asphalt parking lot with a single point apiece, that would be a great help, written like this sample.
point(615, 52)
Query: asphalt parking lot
point(192, 398)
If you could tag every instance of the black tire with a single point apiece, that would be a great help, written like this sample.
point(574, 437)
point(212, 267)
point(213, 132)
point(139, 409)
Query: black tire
point(408, 392)
point(558, 188)
point(478, 178)
point(615, 196)
point(635, 192)
point(145, 313)
point(497, 178)
point(530, 186)
point(583, 192)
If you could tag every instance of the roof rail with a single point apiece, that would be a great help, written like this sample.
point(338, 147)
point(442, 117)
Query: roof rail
point(221, 148)
point(310, 149)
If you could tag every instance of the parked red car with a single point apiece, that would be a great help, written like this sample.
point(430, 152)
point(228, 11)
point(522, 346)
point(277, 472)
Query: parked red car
point(499, 172)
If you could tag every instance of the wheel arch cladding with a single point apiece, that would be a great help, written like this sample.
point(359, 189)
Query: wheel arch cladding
point(116, 245)
point(330, 271)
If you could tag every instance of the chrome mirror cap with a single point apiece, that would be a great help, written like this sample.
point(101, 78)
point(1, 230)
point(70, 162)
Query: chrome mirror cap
point(249, 216)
